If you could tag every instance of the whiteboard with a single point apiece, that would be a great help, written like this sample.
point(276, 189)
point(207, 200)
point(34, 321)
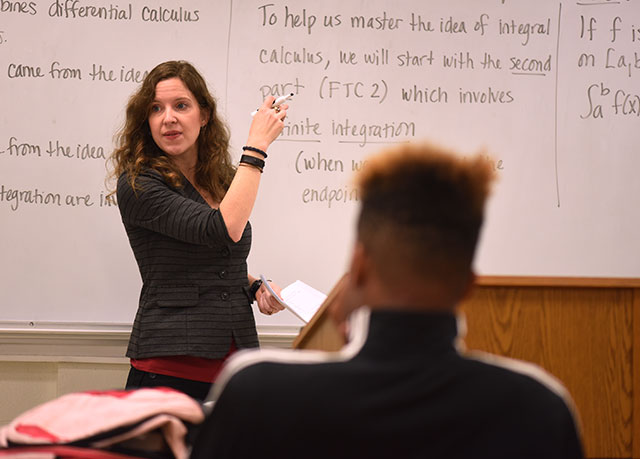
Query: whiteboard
point(549, 90)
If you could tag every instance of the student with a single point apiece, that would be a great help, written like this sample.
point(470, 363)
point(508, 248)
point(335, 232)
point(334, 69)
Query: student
point(401, 388)
point(186, 209)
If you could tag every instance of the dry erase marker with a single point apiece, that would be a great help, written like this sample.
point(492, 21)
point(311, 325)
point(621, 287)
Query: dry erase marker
point(279, 101)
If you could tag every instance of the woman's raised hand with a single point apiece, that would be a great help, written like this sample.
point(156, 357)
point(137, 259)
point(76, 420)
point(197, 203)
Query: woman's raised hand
point(267, 124)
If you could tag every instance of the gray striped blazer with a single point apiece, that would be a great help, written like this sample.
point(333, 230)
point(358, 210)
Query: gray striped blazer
point(194, 277)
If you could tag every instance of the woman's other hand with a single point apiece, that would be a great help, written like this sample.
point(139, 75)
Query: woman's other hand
point(266, 302)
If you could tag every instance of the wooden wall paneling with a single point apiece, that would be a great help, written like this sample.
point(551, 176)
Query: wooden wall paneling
point(583, 335)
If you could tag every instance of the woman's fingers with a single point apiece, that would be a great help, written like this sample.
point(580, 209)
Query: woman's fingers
point(267, 124)
point(267, 303)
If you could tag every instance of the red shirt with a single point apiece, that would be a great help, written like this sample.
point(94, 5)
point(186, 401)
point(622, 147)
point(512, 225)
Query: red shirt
point(185, 366)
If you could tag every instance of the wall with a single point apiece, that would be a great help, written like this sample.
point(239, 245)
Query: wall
point(548, 88)
point(38, 366)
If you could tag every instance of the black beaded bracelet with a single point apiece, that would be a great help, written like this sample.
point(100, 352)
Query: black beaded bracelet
point(252, 161)
point(254, 149)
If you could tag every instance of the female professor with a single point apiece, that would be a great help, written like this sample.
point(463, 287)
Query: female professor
point(186, 210)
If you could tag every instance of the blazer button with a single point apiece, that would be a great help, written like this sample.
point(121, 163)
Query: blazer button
point(224, 296)
point(226, 252)
point(222, 274)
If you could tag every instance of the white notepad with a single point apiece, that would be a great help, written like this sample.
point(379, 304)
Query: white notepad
point(299, 298)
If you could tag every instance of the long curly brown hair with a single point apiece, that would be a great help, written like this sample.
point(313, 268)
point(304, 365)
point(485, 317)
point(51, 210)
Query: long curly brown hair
point(136, 149)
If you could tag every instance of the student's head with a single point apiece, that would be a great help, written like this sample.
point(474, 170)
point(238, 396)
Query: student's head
point(421, 213)
point(209, 136)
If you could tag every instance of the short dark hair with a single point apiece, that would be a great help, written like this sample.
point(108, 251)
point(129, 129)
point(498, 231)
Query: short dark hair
point(422, 209)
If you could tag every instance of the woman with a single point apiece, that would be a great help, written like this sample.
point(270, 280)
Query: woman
point(185, 209)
